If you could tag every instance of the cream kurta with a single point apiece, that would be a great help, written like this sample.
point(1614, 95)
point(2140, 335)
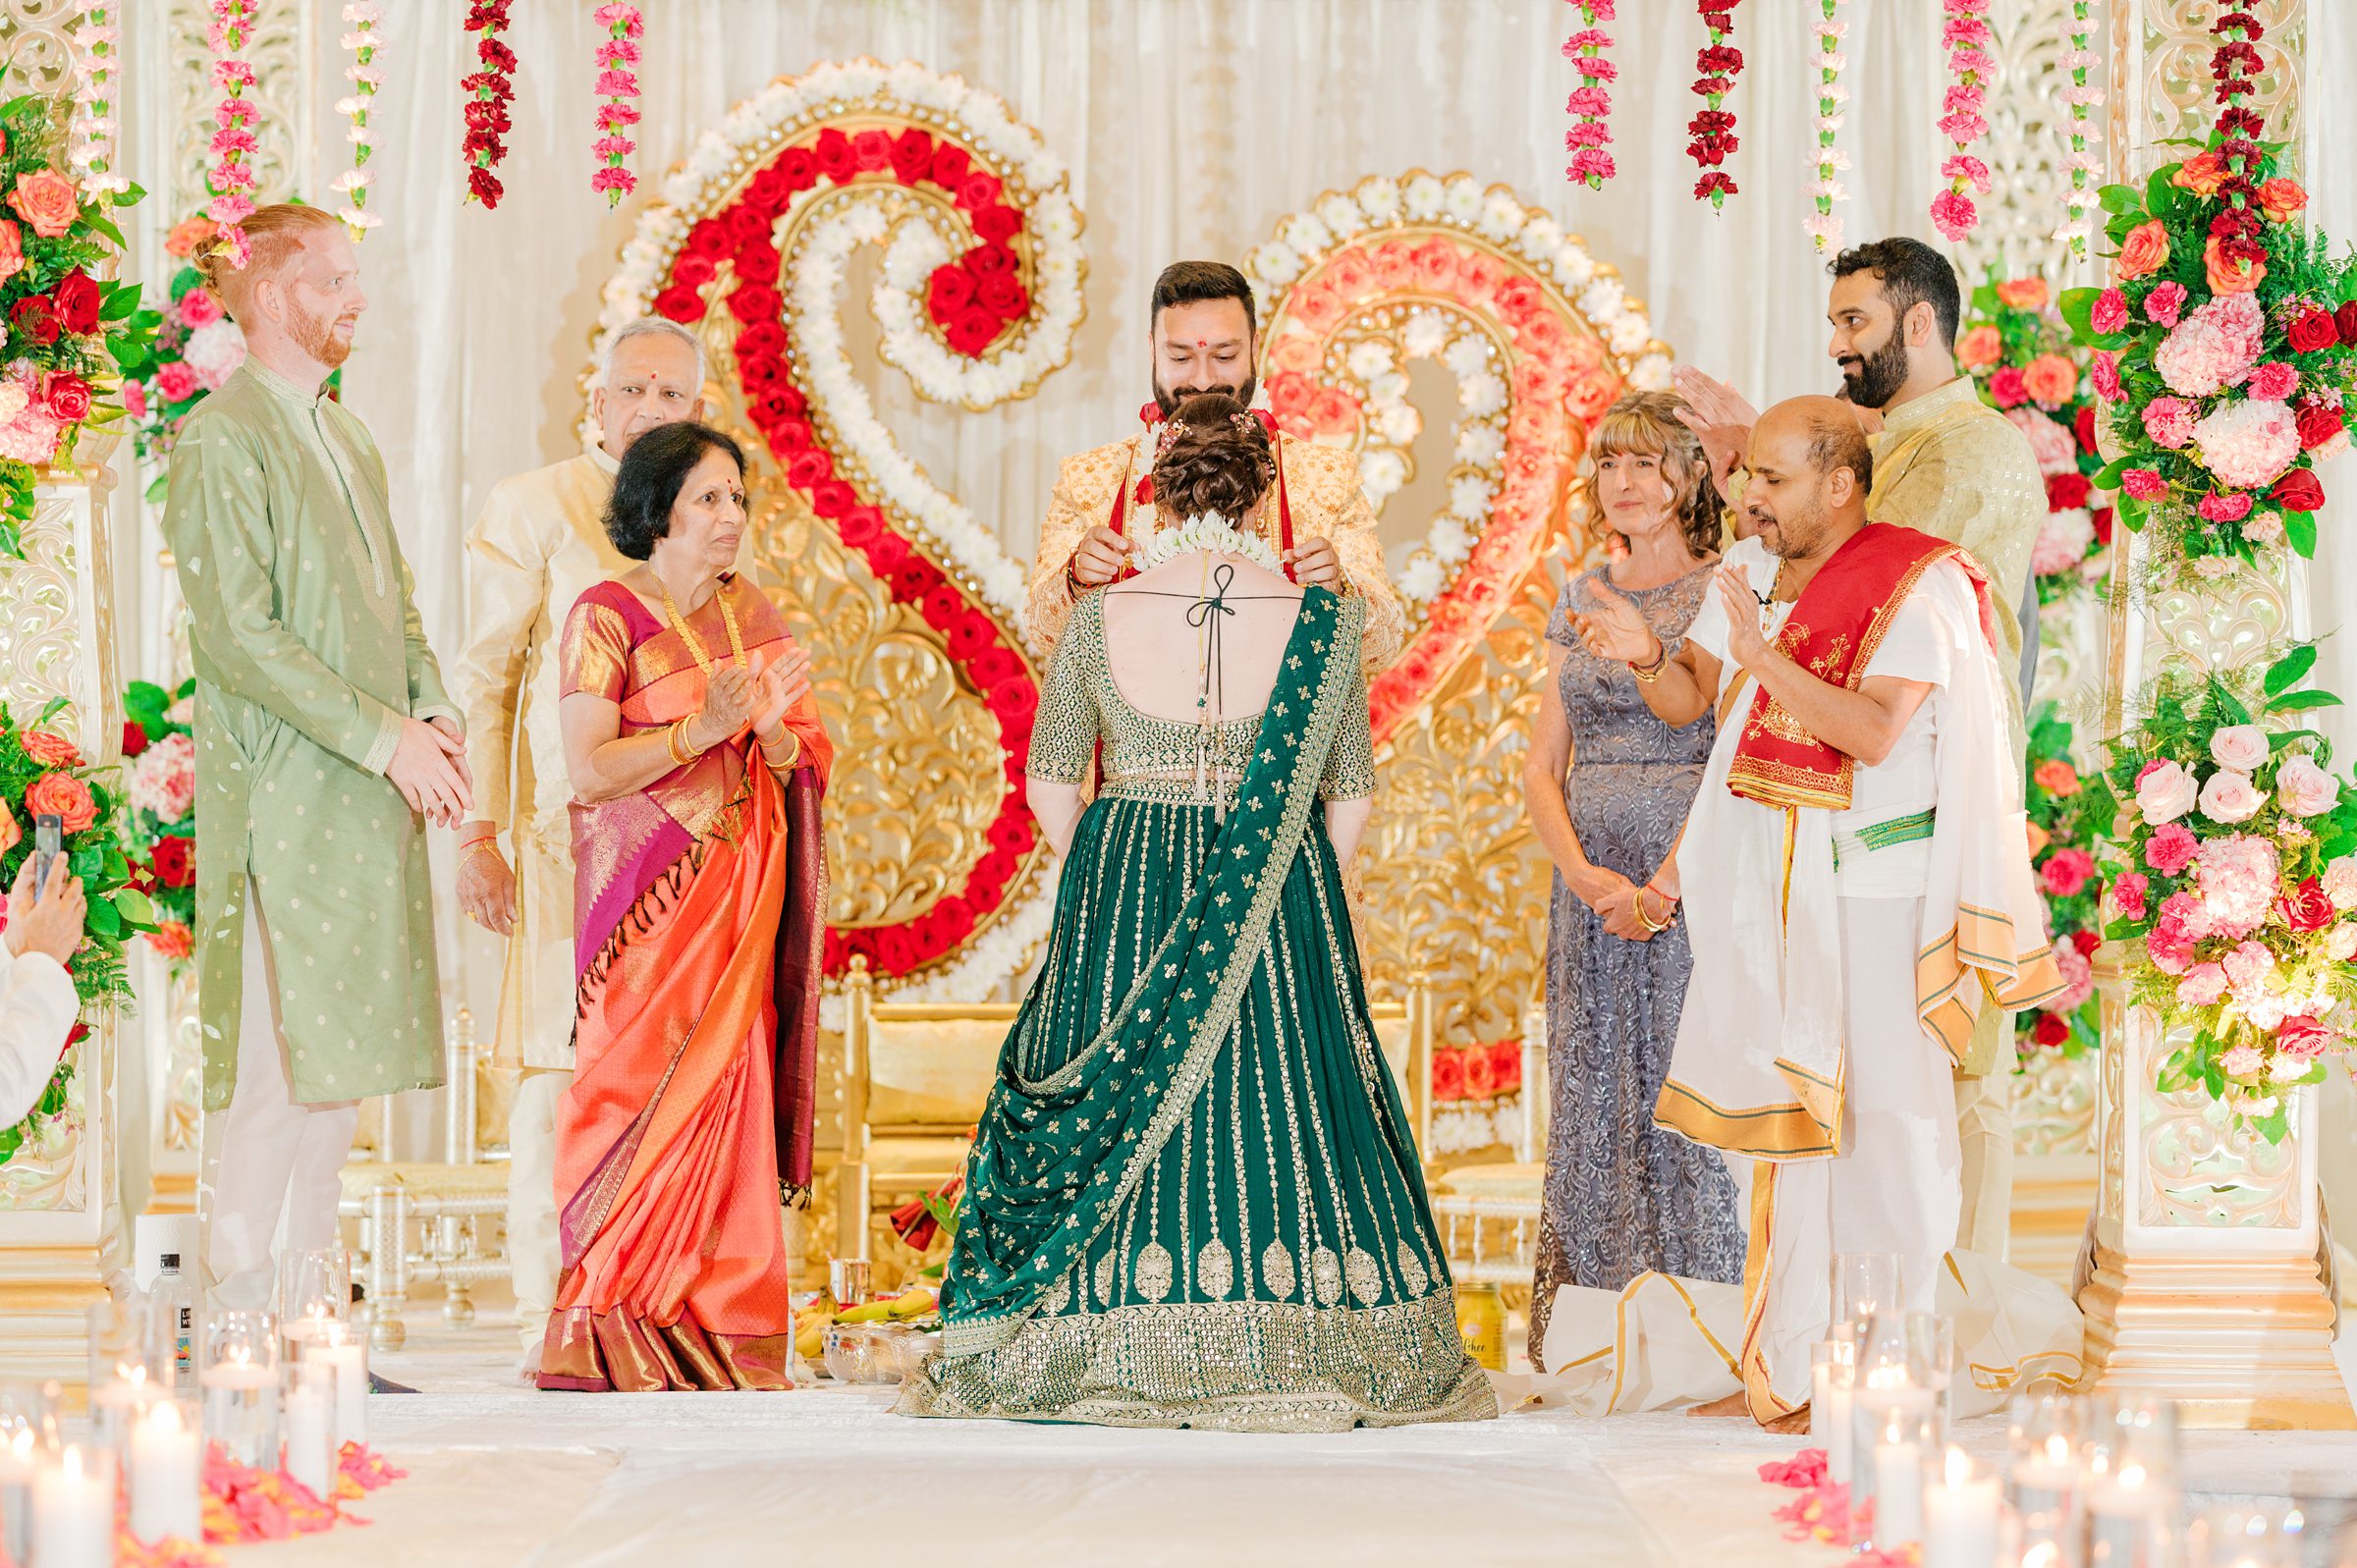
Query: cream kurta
point(1321, 485)
point(309, 655)
point(538, 544)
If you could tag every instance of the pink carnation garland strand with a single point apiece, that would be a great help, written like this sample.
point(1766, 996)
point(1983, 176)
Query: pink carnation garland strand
point(1965, 35)
point(231, 181)
point(2083, 95)
point(361, 17)
point(1823, 227)
point(1713, 127)
point(93, 146)
point(1591, 101)
point(618, 85)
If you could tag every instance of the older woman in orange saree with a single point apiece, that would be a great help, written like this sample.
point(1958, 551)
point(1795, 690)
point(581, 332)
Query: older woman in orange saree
point(697, 763)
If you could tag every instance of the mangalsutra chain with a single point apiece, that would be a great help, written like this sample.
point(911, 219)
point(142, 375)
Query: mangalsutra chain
point(728, 618)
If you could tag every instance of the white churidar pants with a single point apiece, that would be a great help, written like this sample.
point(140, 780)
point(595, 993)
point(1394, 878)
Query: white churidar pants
point(532, 1246)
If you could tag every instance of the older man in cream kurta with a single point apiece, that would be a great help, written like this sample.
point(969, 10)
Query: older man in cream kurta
point(539, 543)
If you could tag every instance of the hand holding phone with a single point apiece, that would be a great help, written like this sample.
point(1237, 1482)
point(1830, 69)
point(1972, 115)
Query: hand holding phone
point(48, 842)
point(45, 916)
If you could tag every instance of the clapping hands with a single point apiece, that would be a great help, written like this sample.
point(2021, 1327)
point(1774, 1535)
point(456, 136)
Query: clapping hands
point(1615, 629)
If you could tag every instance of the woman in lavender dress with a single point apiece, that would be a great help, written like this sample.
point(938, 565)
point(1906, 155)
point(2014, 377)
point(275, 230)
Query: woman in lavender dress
point(1608, 786)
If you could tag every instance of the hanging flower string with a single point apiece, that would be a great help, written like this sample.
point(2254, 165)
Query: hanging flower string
point(231, 180)
point(1714, 128)
point(618, 85)
point(487, 118)
point(1823, 227)
point(1591, 101)
point(1966, 37)
point(93, 151)
point(2235, 256)
point(2082, 95)
point(362, 16)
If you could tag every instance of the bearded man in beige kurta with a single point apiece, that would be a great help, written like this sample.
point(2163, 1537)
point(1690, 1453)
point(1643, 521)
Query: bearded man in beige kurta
point(538, 544)
point(1946, 465)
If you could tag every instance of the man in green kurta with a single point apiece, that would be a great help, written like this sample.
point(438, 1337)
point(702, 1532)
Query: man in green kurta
point(323, 734)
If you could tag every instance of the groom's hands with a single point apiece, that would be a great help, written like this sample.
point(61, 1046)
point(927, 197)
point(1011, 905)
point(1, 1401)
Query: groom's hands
point(1100, 557)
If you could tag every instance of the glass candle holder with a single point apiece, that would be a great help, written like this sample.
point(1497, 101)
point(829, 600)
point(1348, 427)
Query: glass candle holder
point(1865, 1284)
point(1932, 1360)
point(1833, 1375)
point(28, 1438)
point(74, 1510)
point(315, 1289)
point(125, 1378)
point(241, 1387)
point(308, 1424)
point(2043, 1466)
point(344, 1352)
point(165, 1471)
point(2246, 1536)
point(1893, 1440)
point(1888, 1403)
point(1964, 1505)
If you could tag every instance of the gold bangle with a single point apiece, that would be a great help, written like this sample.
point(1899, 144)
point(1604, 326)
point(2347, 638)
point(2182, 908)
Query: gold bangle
point(794, 754)
point(1649, 674)
point(674, 737)
point(489, 841)
point(1637, 903)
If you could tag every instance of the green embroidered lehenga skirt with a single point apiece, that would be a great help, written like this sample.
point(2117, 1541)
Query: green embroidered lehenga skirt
point(1194, 1200)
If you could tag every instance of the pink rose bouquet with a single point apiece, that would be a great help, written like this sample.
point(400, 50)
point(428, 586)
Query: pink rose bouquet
point(2065, 828)
point(2020, 356)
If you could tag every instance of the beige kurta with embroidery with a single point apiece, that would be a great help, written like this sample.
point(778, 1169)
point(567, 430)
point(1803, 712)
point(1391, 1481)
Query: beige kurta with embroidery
point(309, 655)
point(538, 544)
point(1320, 484)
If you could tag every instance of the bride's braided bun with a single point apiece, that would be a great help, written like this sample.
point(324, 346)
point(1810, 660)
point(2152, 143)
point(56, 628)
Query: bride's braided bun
point(1214, 456)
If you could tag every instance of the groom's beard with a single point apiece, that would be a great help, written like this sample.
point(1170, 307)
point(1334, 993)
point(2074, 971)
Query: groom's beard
point(1168, 398)
point(1872, 380)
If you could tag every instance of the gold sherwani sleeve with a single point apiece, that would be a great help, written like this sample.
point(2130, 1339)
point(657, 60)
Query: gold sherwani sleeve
point(1339, 510)
point(1975, 484)
point(507, 583)
point(1083, 497)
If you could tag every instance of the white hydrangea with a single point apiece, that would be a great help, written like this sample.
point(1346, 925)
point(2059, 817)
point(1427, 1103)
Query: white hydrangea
point(1469, 497)
point(1379, 198)
point(1467, 357)
point(1369, 358)
point(1306, 235)
point(1422, 577)
point(1651, 373)
point(1630, 331)
point(1449, 539)
point(1574, 266)
point(1276, 262)
point(1502, 217)
point(1381, 473)
point(1480, 443)
point(1424, 196)
point(1480, 394)
point(1398, 424)
point(1601, 300)
point(1426, 334)
point(1340, 214)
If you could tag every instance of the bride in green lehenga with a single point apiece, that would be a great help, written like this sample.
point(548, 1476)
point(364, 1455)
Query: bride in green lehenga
point(1194, 1200)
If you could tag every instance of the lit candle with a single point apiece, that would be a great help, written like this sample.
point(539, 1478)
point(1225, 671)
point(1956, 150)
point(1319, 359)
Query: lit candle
point(2124, 1520)
point(347, 1359)
point(74, 1513)
point(1830, 1417)
point(115, 1407)
point(1897, 1493)
point(311, 1414)
point(164, 1471)
point(1959, 1516)
point(2044, 1480)
point(18, 1468)
point(241, 1409)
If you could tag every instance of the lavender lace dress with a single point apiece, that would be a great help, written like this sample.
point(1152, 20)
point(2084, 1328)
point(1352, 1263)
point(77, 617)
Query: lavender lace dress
point(1622, 1196)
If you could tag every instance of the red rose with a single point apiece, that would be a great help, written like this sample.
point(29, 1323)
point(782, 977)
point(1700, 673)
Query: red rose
point(68, 399)
point(969, 636)
point(950, 166)
point(693, 271)
point(978, 190)
point(757, 262)
point(2064, 491)
point(2306, 908)
point(789, 437)
point(942, 607)
point(2051, 1029)
point(896, 946)
point(757, 372)
point(1000, 294)
point(2344, 321)
point(2086, 942)
point(767, 337)
point(2298, 491)
point(2007, 388)
point(912, 156)
point(2319, 423)
point(971, 331)
point(1481, 1075)
point(833, 499)
point(770, 191)
point(810, 466)
point(754, 301)
point(993, 871)
point(948, 290)
point(887, 552)
point(1011, 830)
point(993, 664)
point(2103, 526)
point(872, 150)
point(1013, 702)
point(2303, 1038)
point(911, 577)
point(833, 154)
point(175, 861)
point(983, 260)
point(1448, 1075)
point(1505, 1065)
point(998, 223)
point(34, 319)
point(2314, 329)
point(77, 300)
point(64, 796)
point(711, 240)
point(135, 737)
point(679, 304)
point(2082, 425)
point(797, 167)
point(860, 527)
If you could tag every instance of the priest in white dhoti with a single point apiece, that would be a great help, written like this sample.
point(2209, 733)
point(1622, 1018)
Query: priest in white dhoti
point(538, 544)
point(1855, 879)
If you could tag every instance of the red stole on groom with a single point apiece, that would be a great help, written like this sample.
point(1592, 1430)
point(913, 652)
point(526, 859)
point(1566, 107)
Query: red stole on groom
point(1834, 630)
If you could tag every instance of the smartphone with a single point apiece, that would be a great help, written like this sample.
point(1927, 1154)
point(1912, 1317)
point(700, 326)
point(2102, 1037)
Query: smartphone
point(48, 839)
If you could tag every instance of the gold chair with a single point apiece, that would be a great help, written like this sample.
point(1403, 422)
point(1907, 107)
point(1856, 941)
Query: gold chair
point(916, 1075)
point(1489, 1214)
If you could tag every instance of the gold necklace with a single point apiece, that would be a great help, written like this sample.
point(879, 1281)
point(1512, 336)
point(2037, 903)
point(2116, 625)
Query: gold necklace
point(728, 618)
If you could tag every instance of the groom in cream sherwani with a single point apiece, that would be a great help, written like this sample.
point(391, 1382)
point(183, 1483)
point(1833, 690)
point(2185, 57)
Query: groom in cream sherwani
point(538, 544)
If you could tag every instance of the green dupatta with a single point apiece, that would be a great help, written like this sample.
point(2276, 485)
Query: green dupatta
point(1059, 1155)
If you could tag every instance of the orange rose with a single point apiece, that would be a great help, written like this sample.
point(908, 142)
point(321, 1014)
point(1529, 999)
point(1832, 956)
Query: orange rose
point(1318, 306)
point(64, 796)
point(1395, 262)
point(1350, 275)
point(1332, 410)
point(2023, 293)
point(2280, 199)
point(1534, 379)
point(2050, 379)
point(2039, 839)
point(1593, 394)
point(1481, 275)
point(189, 235)
point(1543, 333)
point(1295, 352)
point(47, 200)
point(11, 249)
point(2143, 252)
point(2057, 778)
point(11, 834)
point(1436, 266)
point(1289, 395)
point(2240, 277)
point(171, 940)
point(1979, 347)
point(50, 749)
point(1517, 298)
point(2202, 173)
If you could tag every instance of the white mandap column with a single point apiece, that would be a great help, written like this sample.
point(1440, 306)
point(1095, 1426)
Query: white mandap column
point(2205, 1286)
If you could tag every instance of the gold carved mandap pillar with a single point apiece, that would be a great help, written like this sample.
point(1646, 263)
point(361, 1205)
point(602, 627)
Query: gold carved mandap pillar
point(2205, 1286)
